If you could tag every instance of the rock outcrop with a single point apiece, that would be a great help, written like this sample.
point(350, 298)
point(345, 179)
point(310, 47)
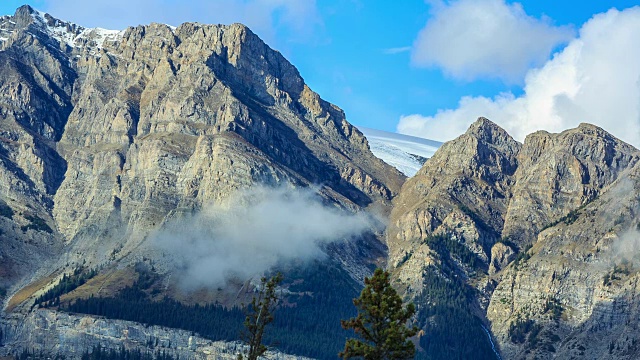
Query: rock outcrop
point(548, 220)
point(52, 332)
point(462, 191)
point(105, 135)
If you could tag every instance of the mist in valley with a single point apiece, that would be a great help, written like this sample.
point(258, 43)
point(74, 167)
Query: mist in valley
point(253, 231)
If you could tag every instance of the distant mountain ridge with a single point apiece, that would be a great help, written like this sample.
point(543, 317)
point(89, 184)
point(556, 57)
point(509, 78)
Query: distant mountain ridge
point(405, 153)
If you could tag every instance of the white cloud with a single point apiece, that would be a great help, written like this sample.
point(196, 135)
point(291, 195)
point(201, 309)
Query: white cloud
point(255, 230)
point(595, 79)
point(296, 18)
point(472, 39)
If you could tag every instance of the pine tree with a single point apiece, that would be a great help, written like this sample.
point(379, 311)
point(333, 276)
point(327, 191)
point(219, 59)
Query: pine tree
point(260, 314)
point(381, 323)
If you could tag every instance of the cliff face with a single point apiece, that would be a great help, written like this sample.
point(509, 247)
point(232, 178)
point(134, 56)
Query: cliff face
point(578, 285)
point(559, 173)
point(547, 221)
point(462, 191)
point(104, 133)
point(173, 118)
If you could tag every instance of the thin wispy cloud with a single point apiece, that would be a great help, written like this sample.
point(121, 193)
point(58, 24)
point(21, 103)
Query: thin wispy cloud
point(396, 50)
point(595, 79)
point(471, 39)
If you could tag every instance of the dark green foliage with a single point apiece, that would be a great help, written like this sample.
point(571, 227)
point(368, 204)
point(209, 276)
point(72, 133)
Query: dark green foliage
point(534, 336)
point(212, 321)
point(553, 306)
point(622, 269)
point(509, 243)
point(309, 325)
point(40, 355)
point(381, 323)
point(449, 248)
point(451, 330)
point(528, 332)
point(522, 256)
point(618, 271)
point(259, 315)
point(568, 219)
point(476, 219)
point(100, 353)
point(36, 223)
point(519, 329)
point(3, 292)
point(67, 284)
point(571, 217)
point(5, 210)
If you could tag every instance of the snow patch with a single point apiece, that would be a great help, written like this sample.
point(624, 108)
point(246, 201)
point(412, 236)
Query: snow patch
point(400, 151)
point(100, 35)
point(71, 33)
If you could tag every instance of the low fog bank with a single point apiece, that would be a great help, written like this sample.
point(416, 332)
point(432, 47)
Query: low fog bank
point(253, 231)
point(626, 249)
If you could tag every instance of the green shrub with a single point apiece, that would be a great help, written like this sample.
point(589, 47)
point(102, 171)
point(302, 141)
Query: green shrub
point(5, 210)
point(36, 223)
point(519, 329)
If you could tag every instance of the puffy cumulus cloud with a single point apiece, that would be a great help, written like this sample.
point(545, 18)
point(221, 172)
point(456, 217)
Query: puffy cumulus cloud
point(595, 79)
point(253, 231)
point(298, 18)
point(472, 39)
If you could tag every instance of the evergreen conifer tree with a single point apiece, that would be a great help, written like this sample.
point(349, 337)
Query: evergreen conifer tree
point(381, 323)
point(260, 314)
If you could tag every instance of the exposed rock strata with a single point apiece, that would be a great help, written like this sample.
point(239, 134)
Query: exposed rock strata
point(549, 218)
point(52, 332)
point(104, 135)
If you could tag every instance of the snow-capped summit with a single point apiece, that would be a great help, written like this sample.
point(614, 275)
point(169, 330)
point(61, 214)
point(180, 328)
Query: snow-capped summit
point(65, 32)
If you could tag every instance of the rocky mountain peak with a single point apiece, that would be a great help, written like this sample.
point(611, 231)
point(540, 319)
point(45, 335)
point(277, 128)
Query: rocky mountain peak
point(485, 151)
point(25, 15)
point(105, 134)
point(65, 35)
point(462, 191)
point(505, 201)
point(561, 172)
point(489, 132)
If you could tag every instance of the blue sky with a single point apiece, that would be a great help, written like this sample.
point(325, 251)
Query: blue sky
point(424, 68)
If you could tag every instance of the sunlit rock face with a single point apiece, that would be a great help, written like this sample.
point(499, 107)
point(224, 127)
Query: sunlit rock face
point(105, 136)
point(552, 224)
point(106, 132)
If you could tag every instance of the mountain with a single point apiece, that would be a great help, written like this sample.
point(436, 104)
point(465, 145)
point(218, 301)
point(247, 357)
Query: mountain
point(112, 142)
point(108, 136)
point(523, 249)
point(405, 153)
